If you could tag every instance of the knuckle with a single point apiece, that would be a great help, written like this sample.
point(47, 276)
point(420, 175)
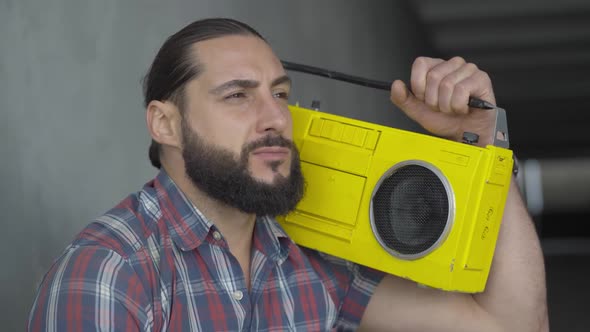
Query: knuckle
point(471, 67)
point(458, 59)
point(485, 76)
point(420, 61)
point(433, 76)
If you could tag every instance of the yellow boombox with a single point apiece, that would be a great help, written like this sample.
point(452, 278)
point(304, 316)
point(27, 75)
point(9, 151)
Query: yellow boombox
point(413, 205)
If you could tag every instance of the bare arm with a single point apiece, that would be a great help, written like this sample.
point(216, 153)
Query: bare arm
point(514, 299)
point(515, 295)
point(516, 290)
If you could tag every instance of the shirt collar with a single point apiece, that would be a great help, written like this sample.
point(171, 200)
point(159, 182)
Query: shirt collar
point(189, 227)
point(271, 239)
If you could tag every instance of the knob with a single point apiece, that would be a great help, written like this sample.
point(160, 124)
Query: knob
point(470, 138)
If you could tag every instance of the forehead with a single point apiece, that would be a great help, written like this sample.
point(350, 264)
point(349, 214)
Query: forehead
point(237, 57)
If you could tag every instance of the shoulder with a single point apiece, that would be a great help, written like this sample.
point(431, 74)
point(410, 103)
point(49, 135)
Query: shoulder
point(125, 229)
point(84, 281)
point(120, 245)
point(106, 266)
point(112, 263)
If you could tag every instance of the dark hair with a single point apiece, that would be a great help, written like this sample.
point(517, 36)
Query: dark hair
point(175, 65)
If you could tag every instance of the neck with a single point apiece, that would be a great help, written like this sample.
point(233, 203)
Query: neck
point(236, 226)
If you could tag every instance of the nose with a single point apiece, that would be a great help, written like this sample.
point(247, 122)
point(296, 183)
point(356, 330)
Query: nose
point(273, 115)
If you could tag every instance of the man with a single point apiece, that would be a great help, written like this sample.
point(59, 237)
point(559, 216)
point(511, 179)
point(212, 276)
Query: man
point(198, 249)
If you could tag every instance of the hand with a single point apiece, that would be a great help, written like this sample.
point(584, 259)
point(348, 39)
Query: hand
point(441, 91)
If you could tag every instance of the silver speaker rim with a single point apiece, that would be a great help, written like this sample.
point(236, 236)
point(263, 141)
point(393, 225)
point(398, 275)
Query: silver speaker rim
point(451, 214)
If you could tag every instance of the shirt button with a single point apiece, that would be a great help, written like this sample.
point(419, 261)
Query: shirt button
point(238, 295)
point(217, 235)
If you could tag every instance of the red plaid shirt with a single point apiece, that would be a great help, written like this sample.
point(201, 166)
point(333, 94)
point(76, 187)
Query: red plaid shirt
point(154, 263)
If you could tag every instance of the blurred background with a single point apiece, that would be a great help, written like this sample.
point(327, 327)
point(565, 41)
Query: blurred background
point(73, 140)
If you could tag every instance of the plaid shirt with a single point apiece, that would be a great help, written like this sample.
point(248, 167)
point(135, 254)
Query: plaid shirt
point(155, 263)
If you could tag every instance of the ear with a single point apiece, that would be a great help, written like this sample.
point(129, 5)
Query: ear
point(163, 123)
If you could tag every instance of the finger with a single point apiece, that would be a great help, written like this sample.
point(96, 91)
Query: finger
point(435, 76)
point(435, 122)
point(453, 98)
point(413, 107)
point(476, 85)
point(420, 68)
point(460, 98)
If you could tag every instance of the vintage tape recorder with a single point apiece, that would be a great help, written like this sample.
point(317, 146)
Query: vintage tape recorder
point(417, 206)
point(413, 205)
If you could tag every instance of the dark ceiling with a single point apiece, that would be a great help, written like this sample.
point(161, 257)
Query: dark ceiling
point(538, 56)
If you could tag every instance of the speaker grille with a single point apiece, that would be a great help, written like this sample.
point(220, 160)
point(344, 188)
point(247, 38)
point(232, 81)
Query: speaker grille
point(410, 211)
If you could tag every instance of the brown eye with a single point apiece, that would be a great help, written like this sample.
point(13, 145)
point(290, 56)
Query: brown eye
point(281, 95)
point(236, 95)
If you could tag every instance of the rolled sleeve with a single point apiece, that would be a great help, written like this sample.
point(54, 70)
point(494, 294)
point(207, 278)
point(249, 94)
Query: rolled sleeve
point(364, 282)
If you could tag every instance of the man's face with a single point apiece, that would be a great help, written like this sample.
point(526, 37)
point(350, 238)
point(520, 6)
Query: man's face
point(240, 97)
point(237, 127)
point(218, 173)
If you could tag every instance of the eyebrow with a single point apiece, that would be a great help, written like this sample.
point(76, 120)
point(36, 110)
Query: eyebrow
point(247, 84)
point(280, 80)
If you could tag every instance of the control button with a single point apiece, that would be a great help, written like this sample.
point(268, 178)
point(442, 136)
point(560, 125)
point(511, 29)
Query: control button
point(316, 127)
point(470, 138)
point(372, 137)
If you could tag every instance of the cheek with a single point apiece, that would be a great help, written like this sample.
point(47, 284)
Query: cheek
point(288, 131)
point(227, 133)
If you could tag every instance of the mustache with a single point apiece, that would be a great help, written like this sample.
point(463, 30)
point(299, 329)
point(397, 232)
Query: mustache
point(269, 140)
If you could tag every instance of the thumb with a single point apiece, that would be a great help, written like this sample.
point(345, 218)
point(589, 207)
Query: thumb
point(404, 99)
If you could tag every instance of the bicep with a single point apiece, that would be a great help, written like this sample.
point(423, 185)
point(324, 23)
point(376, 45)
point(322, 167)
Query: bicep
point(401, 305)
point(90, 288)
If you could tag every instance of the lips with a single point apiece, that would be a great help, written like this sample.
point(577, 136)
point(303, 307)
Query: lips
point(272, 152)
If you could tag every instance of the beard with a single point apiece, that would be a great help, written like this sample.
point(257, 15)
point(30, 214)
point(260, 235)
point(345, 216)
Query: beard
point(224, 176)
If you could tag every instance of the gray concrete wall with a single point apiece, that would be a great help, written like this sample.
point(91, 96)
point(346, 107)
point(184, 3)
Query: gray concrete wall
point(72, 135)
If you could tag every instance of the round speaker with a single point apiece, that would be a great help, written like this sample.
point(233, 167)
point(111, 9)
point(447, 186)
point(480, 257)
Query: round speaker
point(412, 209)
